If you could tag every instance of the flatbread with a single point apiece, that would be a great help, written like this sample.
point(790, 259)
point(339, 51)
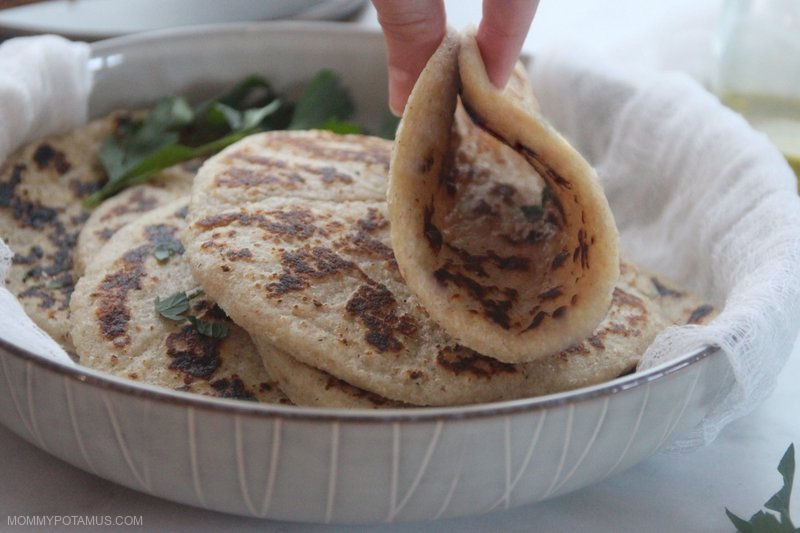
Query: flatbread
point(316, 165)
point(678, 305)
point(116, 328)
point(504, 235)
point(317, 279)
point(306, 385)
point(107, 218)
point(41, 190)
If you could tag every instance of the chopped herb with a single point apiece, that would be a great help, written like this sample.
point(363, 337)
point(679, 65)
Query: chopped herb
point(173, 306)
point(176, 305)
point(55, 284)
point(764, 522)
point(323, 99)
point(342, 127)
point(532, 212)
point(174, 131)
point(389, 125)
point(218, 330)
point(165, 250)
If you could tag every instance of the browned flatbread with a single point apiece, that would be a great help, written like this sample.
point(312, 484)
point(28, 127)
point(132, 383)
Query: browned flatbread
point(116, 328)
point(504, 234)
point(312, 273)
point(41, 190)
point(679, 306)
point(168, 185)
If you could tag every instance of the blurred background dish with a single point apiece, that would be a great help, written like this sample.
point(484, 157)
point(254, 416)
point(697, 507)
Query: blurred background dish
point(99, 19)
point(758, 68)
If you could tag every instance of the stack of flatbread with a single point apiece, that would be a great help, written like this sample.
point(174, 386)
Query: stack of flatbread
point(491, 273)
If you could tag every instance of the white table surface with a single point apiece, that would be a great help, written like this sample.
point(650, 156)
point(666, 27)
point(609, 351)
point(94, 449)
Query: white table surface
point(686, 492)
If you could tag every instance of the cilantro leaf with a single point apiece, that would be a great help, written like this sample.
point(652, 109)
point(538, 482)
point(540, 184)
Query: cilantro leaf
point(55, 284)
point(763, 522)
point(217, 330)
point(532, 212)
point(323, 99)
point(389, 124)
point(174, 131)
point(174, 305)
point(167, 249)
point(342, 127)
point(742, 525)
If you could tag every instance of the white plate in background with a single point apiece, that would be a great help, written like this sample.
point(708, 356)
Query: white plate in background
point(100, 19)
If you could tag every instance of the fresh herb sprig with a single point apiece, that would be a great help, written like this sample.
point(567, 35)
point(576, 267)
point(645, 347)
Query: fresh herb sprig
point(175, 306)
point(765, 522)
point(174, 131)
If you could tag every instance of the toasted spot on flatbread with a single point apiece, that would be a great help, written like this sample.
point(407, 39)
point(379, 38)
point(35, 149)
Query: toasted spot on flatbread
point(499, 227)
point(116, 327)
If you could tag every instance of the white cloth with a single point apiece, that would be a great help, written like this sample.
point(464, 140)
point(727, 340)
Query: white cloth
point(44, 88)
point(698, 196)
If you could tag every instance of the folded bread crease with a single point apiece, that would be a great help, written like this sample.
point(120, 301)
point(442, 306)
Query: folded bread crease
point(506, 239)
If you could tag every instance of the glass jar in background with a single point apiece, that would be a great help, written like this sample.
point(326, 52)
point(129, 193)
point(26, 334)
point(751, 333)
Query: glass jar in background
point(758, 68)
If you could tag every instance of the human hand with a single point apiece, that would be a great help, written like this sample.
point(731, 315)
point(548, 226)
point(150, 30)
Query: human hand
point(413, 30)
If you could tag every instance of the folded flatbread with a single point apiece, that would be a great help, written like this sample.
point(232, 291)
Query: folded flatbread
point(506, 239)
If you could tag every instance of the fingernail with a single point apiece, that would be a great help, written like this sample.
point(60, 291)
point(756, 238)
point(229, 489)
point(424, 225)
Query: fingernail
point(397, 85)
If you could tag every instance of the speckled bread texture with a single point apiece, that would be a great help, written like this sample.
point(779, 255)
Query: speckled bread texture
point(315, 165)
point(41, 190)
point(116, 328)
point(306, 385)
point(499, 227)
point(312, 273)
point(107, 218)
point(678, 305)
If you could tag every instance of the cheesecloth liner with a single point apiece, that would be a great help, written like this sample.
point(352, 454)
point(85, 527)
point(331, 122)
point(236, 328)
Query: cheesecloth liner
point(697, 196)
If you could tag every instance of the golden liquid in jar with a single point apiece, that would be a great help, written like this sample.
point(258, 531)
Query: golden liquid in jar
point(778, 117)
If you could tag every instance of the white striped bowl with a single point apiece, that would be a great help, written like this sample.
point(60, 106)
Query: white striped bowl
point(323, 465)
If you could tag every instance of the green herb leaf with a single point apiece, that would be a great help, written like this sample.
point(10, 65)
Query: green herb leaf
point(55, 284)
point(742, 525)
point(763, 522)
point(780, 500)
point(532, 212)
point(389, 124)
point(323, 99)
point(217, 330)
point(174, 305)
point(252, 118)
point(167, 249)
point(252, 91)
point(174, 132)
point(342, 127)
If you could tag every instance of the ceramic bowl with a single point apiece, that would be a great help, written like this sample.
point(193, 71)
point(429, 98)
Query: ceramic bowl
point(324, 465)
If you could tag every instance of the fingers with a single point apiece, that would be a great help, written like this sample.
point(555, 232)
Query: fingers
point(413, 30)
point(501, 33)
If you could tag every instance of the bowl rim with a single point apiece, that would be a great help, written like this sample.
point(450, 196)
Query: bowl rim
point(109, 382)
point(161, 35)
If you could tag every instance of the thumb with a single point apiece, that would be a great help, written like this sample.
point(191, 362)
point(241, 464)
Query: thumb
point(413, 30)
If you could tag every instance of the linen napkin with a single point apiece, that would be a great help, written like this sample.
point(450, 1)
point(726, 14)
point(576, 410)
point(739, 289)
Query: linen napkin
point(698, 196)
point(44, 88)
